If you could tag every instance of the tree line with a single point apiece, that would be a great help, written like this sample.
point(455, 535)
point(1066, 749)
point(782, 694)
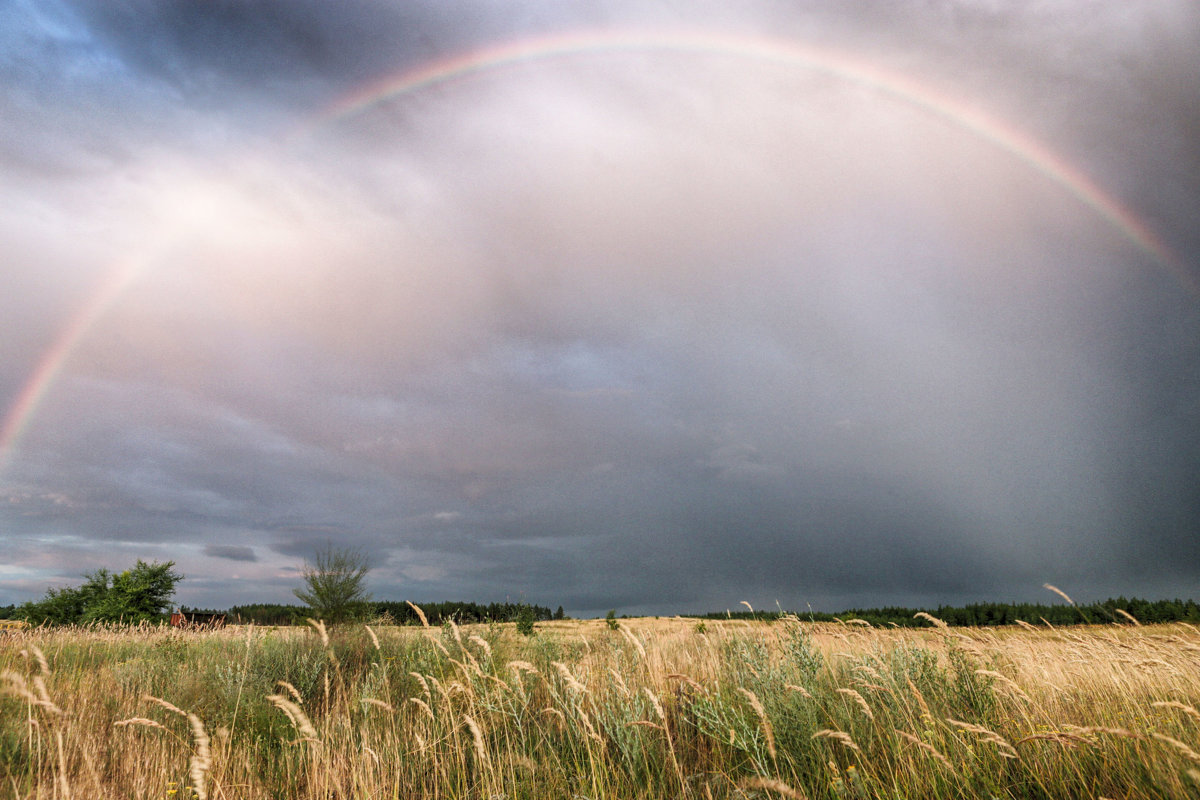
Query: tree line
point(334, 591)
point(397, 612)
point(991, 614)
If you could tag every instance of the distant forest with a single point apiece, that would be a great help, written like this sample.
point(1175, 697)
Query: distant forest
point(976, 614)
point(400, 613)
point(989, 614)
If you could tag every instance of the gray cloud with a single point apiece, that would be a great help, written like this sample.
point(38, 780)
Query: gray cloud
point(654, 329)
point(231, 552)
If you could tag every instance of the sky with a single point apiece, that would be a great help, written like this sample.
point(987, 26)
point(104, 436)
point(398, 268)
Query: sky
point(655, 307)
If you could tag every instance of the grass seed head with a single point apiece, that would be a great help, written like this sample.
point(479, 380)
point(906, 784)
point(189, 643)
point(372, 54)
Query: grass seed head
point(768, 731)
point(201, 760)
point(420, 613)
point(771, 785)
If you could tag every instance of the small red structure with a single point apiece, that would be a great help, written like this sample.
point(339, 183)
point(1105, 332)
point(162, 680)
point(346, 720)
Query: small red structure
point(196, 619)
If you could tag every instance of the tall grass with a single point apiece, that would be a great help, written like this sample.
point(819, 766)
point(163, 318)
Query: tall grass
point(656, 709)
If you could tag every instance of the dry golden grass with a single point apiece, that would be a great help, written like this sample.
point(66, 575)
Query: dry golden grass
point(655, 709)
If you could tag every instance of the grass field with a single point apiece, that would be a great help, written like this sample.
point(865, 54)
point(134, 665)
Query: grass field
point(664, 708)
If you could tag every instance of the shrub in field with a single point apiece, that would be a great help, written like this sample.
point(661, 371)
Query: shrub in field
point(140, 594)
point(335, 584)
point(525, 621)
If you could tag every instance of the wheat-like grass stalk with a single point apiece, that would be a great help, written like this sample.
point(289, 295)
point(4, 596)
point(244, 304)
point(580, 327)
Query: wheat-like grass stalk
point(1186, 751)
point(644, 723)
point(424, 685)
point(523, 666)
point(619, 681)
point(64, 783)
point(800, 690)
point(149, 723)
point(930, 618)
point(44, 696)
point(467, 667)
point(18, 686)
point(690, 681)
point(1121, 732)
point(986, 735)
point(925, 712)
point(772, 785)
point(442, 692)
point(371, 701)
point(319, 626)
point(168, 706)
point(768, 731)
point(551, 711)
point(657, 706)
point(420, 613)
point(1007, 681)
point(201, 760)
point(588, 727)
point(567, 677)
point(1189, 710)
point(421, 704)
point(1058, 737)
point(1027, 626)
point(1058, 592)
point(1128, 616)
point(501, 685)
point(483, 645)
point(928, 748)
point(292, 690)
point(477, 737)
point(841, 737)
point(296, 715)
point(374, 638)
point(870, 671)
point(858, 698)
point(38, 656)
point(637, 645)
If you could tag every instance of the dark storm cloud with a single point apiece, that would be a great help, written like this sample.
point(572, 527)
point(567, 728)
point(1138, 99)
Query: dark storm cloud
point(650, 330)
point(232, 552)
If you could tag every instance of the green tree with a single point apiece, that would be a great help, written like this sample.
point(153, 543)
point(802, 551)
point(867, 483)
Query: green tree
point(135, 595)
point(140, 594)
point(336, 585)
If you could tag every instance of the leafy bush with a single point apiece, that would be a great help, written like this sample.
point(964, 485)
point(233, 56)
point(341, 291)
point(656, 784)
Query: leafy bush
point(525, 621)
point(140, 594)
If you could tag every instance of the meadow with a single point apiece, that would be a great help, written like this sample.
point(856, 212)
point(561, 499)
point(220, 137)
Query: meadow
point(659, 708)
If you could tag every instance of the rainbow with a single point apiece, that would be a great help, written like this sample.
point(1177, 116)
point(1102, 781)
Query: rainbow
point(784, 53)
point(52, 361)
